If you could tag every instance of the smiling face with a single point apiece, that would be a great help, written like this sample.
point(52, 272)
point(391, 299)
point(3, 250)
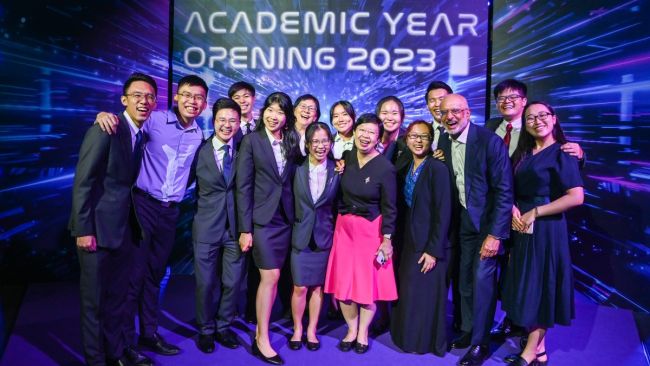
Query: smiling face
point(341, 120)
point(390, 116)
point(366, 136)
point(510, 104)
point(191, 101)
point(434, 100)
point(226, 124)
point(140, 101)
point(246, 100)
point(305, 113)
point(540, 122)
point(418, 140)
point(319, 146)
point(455, 114)
point(274, 118)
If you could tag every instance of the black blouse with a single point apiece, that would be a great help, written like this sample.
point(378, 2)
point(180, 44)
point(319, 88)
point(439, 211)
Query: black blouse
point(370, 191)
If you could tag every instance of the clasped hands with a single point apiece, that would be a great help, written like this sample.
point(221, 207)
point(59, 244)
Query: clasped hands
point(521, 223)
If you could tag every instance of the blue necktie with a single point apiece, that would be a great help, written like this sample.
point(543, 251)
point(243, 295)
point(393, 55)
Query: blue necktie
point(137, 148)
point(227, 162)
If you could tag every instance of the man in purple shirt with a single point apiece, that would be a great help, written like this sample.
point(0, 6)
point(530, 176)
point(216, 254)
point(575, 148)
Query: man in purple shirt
point(172, 140)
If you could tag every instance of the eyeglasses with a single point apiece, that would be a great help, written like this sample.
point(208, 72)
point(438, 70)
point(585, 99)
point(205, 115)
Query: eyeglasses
point(307, 108)
point(197, 97)
point(140, 96)
point(510, 98)
point(542, 116)
point(455, 111)
point(320, 142)
point(414, 136)
point(223, 121)
point(366, 132)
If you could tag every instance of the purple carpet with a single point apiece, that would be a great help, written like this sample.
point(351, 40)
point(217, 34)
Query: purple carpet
point(47, 332)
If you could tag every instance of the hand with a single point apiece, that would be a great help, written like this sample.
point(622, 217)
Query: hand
point(107, 122)
point(386, 247)
point(517, 224)
point(573, 149)
point(245, 241)
point(490, 247)
point(527, 219)
point(87, 243)
point(429, 262)
point(439, 154)
point(340, 166)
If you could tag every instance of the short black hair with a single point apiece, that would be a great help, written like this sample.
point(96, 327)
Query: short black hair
point(225, 103)
point(234, 88)
point(347, 106)
point(389, 98)
point(193, 80)
point(511, 84)
point(311, 130)
point(370, 118)
point(138, 76)
point(308, 97)
point(436, 84)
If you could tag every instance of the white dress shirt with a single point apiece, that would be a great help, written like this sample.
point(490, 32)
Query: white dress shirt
point(514, 134)
point(219, 152)
point(317, 178)
point(341, 145)
point(134, 129)
point(276, 145)
point(458, 147)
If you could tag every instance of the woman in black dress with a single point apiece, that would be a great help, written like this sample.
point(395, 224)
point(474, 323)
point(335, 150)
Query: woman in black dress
point(265, 168)
point(315, 188)
point(425, 208)
point(538, 289)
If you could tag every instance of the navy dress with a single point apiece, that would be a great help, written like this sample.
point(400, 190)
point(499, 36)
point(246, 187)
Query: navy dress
point(539, 280)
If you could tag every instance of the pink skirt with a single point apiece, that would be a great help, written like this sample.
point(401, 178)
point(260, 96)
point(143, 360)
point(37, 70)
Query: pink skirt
point(352, 271)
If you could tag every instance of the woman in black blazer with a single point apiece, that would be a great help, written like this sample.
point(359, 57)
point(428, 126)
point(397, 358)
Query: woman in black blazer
point(425, 208)
point(265, 168)
point(315, 187)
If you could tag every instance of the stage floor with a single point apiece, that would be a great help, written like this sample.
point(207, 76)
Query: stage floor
point(47, 332)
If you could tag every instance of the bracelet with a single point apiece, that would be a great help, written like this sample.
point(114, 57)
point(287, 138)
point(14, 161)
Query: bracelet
point(536, 212)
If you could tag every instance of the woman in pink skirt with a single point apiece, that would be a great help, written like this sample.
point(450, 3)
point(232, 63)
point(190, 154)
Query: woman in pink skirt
point(360, 269)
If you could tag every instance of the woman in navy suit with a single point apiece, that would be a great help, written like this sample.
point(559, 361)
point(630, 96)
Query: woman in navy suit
point(265, 168)
point(315, 186)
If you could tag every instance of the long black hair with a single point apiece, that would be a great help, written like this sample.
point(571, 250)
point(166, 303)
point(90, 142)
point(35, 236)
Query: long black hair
point(527, 141)
point(290, 139)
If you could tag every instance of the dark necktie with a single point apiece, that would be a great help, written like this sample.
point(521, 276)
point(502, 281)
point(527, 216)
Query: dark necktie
point(248, 128)
point(507, 136)
point(137, 148)
point(227, 162)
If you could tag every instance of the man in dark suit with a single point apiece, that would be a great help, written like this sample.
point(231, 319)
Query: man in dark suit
point(103, 221)
point(218, 259)
point(436, 91)
point(482, 174)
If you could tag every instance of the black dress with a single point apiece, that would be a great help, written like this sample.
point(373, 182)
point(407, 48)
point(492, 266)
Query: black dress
point(419, 318)
point(539, 280)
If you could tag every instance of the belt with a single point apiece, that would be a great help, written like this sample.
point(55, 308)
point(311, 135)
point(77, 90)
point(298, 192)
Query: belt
point(146, 195)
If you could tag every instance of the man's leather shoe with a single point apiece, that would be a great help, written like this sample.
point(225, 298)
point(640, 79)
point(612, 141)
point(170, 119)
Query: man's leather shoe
point(506, 329)
point(476, 355)
point(227, 338)
point(206, 343)
point(463, 341)
point(275, 360)
point(159, 345)
point(136, 358)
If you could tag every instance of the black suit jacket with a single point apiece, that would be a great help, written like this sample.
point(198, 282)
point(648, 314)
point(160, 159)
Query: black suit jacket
point(488, 181)
point(101, 194)
point(260, 188)
point(215, 204)
point(431, 210)
point(317, 218)
point(398, 153)
point(493, 123)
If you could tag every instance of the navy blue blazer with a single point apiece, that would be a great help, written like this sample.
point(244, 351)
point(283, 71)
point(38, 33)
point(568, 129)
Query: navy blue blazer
point(314, 218)
point(493, 123)
point(215, 204)
point(260, 188)
point(488, 181)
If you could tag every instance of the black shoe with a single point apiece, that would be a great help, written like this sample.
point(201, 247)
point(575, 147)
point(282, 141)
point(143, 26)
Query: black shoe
point(476, 355)
point(206, 343)
point(122, 361)
point(227, 338)
point(506, 329)
point(520, 361)
point(275, 360)
point(463, 341)
point(313, 346)
point(346, 346)
point(513, 357)
point(295, 345)
point(360, 348)
point(136, 358)
point(158, 345)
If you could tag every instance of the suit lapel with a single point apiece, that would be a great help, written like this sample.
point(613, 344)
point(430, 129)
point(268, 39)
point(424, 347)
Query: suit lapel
point(471, 149)
point(125, 140)
point(303, 180)
point(268, 152)
point(211, 160)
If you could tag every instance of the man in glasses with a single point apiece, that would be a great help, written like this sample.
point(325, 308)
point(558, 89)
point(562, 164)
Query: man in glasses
point(104, 224)
point(480, 168)
point(172, 140)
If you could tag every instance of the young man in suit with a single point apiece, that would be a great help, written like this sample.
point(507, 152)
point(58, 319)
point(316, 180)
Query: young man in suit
point(104, 224)
point(436, 91)
point(218, 259)
point(482, 175)
point(243, 94)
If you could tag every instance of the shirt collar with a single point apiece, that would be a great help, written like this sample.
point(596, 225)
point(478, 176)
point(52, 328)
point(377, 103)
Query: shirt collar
point(218, 144)
point(134, 128)
point(319, 167)
point(339, 137)
point(270, 136)
point(516, 123)
point(172, 118)
point(463, 135)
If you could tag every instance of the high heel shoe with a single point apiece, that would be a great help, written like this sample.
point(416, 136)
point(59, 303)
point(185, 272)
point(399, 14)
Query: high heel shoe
point(275, 360)
point(541, 363)
point(510, 359)
point(346, 346)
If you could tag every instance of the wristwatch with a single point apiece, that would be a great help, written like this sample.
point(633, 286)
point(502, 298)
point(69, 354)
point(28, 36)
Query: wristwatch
point(387, 236)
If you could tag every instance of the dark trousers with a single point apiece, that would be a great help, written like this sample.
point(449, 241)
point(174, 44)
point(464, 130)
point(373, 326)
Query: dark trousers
point(477, 283)
point(158, 225)
point(103, 283)
point(218, 271)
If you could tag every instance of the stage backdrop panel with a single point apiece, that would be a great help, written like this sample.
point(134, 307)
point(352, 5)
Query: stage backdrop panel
point(590, 60)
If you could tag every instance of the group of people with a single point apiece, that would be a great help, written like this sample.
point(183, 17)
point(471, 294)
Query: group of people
point(383, 219)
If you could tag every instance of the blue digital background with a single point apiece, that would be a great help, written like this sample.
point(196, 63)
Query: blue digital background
point(60, 64)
